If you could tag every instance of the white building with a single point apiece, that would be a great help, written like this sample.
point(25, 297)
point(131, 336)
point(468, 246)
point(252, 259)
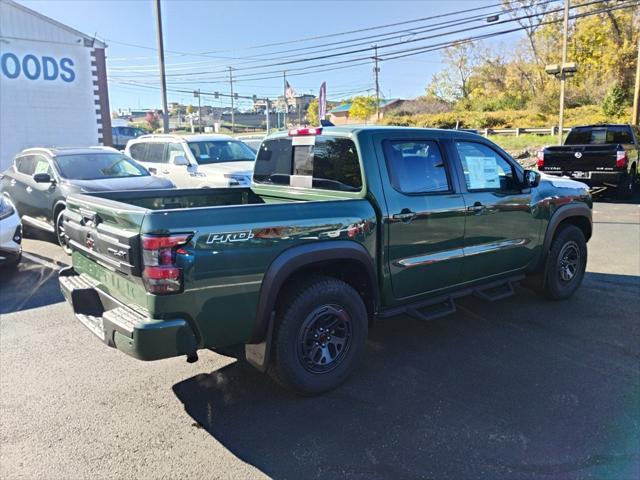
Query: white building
point(53, 84)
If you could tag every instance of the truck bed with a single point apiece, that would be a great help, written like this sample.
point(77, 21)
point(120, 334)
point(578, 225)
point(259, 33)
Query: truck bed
point(235, 234)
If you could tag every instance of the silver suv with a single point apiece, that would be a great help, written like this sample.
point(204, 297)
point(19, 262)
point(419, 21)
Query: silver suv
point(195, 160)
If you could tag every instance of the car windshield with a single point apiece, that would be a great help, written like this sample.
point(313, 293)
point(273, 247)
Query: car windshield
point(219, 151)
point(94, 166)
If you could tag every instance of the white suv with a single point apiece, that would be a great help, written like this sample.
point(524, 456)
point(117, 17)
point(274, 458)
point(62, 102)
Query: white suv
point(195, 160)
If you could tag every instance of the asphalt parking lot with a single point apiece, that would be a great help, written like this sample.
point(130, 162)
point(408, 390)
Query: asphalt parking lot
point(522, 388)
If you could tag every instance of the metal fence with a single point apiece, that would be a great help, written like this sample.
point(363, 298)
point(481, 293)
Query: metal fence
point(520, 131)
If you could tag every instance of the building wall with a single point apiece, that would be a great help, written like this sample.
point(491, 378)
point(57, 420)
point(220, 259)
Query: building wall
point(52, 85)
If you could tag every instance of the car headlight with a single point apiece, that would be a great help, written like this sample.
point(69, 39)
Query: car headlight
point(6, 208)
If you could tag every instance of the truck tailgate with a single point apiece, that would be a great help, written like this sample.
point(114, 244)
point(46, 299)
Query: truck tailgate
point(580, 158)
point(106, 232)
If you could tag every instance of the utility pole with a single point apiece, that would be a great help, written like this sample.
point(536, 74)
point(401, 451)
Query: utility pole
point(377, 71)
point(636, 94)
point(563, 77)
point(268, 125)
point(200, 129)
point(163, 80)
point(284, 92)
point(233, 116)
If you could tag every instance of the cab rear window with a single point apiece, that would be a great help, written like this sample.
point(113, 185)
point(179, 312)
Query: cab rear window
point(329, 163)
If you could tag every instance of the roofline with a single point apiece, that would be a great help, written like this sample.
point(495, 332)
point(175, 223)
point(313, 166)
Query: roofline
point(150, 136)
point(96, 43)
point(53, 151)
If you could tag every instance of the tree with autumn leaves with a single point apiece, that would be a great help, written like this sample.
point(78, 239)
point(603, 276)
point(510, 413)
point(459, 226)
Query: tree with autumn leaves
point(604, 46)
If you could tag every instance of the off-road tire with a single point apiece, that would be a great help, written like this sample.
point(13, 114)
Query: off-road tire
point(568, 243)
point(299, 307)
point(59, 229)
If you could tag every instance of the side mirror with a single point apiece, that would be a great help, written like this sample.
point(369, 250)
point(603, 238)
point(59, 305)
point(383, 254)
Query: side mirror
point(531, 178)
point(42, 178)
point(180, 160)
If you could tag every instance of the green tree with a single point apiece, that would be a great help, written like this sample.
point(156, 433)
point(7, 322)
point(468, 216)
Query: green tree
point(312, 112)
point(191, 109)
point(452, 84)
point(362, 107)
point(614, 101)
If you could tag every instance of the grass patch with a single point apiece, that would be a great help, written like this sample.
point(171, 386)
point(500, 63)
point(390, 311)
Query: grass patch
point(532, 143)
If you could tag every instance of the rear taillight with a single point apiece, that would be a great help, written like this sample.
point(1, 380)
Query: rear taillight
point(296, 132)
point(541, 159)
point(161, 274)
point(621, 159)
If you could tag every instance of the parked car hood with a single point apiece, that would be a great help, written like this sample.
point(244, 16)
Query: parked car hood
point(241, 168)
point(123, 183)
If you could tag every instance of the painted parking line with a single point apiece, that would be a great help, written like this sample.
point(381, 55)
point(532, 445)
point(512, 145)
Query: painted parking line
point(43, 262)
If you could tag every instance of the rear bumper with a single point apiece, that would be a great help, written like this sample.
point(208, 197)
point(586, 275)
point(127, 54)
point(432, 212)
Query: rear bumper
point(593, 179)
point(123, 327)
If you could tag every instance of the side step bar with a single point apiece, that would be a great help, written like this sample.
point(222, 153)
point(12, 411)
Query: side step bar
point(443, 305)
point(494, 293)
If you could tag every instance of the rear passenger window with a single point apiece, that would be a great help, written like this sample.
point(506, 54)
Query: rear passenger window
point(138, 151)
point(155, 153)
point(25, 164)
point(416, 166)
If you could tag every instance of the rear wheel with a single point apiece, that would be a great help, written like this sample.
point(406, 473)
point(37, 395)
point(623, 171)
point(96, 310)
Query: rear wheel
point(566, 263)
point(319, 336)
point(60, 233)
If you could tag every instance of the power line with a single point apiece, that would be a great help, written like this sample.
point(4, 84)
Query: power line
point(434, 47)
point(316, 37)
point(367, 49)
point(388, 35)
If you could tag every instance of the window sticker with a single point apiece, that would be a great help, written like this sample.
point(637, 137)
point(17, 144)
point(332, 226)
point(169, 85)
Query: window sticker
point(42, 167)
point(483, 173)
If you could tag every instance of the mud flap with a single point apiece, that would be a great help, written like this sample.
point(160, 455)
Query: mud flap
point(257, 354)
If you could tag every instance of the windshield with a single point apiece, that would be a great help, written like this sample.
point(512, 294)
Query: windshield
point(219, 151)
point(94, 166)
point(599, 135)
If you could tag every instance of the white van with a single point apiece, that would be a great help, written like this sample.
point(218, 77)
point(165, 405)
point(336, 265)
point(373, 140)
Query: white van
point(195, 160)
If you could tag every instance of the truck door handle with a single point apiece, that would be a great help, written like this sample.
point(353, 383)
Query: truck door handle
point(405, 215)
point(166, 172)
point(29, 189)
point(476, 207)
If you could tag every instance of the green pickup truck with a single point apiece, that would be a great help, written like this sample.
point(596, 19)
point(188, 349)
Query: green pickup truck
point(342, 226)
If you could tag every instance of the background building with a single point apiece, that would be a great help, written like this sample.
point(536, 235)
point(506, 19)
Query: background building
point(53, 84)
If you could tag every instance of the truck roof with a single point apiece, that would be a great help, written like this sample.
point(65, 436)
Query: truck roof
point(355, 129)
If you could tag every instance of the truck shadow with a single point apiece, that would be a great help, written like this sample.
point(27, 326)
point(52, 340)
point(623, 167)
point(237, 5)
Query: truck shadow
point(29, 285)
point(610, 196)
point(517, 389)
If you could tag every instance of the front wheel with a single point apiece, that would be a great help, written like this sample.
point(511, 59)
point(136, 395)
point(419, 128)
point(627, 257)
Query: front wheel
point(319, 335)
point(60, 233)
point(566, 263)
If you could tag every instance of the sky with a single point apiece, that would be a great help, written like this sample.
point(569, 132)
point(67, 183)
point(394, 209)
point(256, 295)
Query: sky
point(210, 35)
